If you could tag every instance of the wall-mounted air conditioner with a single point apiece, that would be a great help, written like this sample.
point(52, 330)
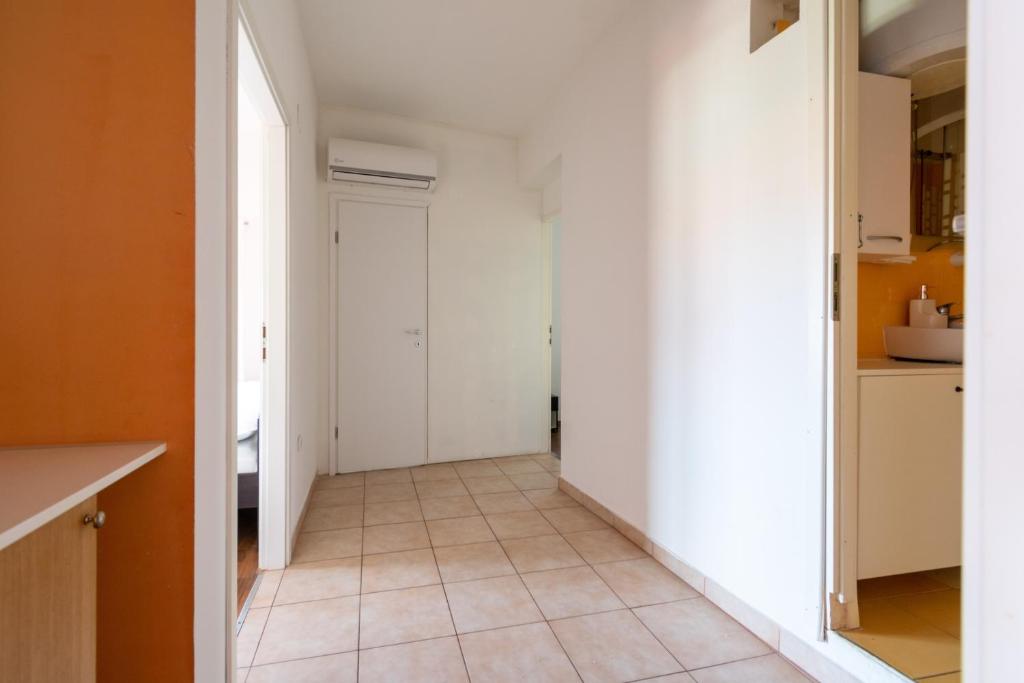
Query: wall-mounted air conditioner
point(354, 161)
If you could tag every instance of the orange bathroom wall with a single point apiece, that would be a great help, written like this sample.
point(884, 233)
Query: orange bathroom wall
point(884, 290)
point(97, 288)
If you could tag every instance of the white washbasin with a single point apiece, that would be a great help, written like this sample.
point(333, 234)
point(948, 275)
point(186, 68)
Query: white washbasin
point(922, 343)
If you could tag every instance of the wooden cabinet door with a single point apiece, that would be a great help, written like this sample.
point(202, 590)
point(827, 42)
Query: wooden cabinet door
point(909, 472)
point(48, 603)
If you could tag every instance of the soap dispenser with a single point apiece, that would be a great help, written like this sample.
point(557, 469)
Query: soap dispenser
point(924, 314)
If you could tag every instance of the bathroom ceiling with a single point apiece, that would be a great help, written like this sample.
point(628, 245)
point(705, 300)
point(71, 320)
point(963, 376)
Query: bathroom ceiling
point(488, 65)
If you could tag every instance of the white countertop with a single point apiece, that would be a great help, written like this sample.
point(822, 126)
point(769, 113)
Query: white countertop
point(891, 366)
point(39, 483)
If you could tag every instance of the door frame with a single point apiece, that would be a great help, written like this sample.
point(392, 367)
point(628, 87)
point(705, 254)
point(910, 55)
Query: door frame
point(547, 292)
point(274, 529)
point(352, 192)
point(215, 515)
point(842, 394)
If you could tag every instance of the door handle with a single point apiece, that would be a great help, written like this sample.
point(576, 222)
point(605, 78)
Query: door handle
point(97, 521)
point(417, 332)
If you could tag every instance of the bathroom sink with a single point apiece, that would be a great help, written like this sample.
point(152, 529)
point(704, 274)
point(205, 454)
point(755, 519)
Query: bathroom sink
point(922, 343)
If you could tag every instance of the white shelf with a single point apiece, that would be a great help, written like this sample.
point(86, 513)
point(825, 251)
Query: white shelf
point(39, 483)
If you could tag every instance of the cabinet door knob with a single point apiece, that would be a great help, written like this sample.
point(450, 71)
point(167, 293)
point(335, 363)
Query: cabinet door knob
point(97, 520)
point(959, 390)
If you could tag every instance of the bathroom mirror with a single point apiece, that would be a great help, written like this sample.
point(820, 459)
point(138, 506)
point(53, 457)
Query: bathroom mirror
point(938, 154)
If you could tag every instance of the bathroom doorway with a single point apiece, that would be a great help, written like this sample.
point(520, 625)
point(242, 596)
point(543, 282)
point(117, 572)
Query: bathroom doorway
point(893, 573)
point(553, 230)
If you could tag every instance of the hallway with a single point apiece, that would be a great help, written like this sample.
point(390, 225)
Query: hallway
point(482, 570)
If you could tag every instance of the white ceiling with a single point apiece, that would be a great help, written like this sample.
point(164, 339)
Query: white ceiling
point(488, 65)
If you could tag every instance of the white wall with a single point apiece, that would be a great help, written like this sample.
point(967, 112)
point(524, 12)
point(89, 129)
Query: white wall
point(693, 293)
point(487, 393)
point(600, 123)
point(278, 37)
point(896, 34)
point(993, 595)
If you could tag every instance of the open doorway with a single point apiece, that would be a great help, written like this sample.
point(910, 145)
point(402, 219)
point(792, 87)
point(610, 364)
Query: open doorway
point(261, 324)
point(553, 227)
point(899, 334)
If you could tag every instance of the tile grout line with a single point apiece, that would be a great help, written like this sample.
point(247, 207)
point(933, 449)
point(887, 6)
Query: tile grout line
point(700, 594)
point(746, 659)
point(406, 642)
point(632, 610)
point(590, 565)
point(431, 547)
point(303, 659)
point(516, 571)
point(547, 622)
point(489, 630)
point(520, 574)
point(359, 607)
point(277, 589)
point(891, 601)
point(943, 673)
point(259, 641)
point(270, 610)
point(654, 635)
point(447, 602)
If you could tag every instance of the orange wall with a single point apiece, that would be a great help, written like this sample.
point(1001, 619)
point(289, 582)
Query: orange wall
point(884, 290)
point(97, 284)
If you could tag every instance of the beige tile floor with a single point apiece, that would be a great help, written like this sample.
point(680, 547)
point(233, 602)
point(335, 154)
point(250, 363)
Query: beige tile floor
point(912, 622)
point(482, 571)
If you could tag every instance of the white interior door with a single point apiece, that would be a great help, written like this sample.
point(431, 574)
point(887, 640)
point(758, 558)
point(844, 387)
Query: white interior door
point(382, 336)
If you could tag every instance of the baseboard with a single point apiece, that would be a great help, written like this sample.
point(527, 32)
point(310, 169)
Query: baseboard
point(469, 458)
point(294, 532)
point(609, 517)
point(781, 641)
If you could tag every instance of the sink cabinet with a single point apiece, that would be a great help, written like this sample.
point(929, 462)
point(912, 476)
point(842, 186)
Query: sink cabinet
point(48, 555)
point(48, 602)
point(909, 473)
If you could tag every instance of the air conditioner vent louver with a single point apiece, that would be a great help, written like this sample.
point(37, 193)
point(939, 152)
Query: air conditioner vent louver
point(354, 161)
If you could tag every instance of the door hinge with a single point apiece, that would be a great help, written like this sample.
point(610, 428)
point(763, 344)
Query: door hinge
point(836, 286)
point(335, 236)
point(550, 335)
point(335, 432)
point(263, 341)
